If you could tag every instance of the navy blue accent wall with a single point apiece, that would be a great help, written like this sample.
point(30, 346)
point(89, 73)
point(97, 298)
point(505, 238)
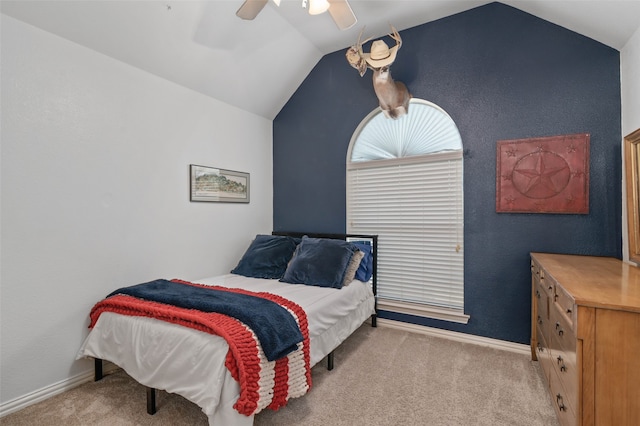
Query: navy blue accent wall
point(500, 74)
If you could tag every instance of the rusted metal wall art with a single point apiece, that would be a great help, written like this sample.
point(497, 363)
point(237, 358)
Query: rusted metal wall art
point(543, 175)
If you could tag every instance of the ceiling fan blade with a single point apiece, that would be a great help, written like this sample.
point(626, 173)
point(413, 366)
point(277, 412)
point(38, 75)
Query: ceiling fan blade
point(250, 9)
point(342, 15)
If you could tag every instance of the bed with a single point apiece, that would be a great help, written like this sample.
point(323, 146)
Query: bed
point(177, 359)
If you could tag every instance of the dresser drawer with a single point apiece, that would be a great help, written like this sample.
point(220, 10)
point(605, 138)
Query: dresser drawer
point(565, 303)
point(535, 269)
point(542, 302)
point(544, 355)
point(562, 334)
point(564, 407)
point(564, 366)
point(538, 275)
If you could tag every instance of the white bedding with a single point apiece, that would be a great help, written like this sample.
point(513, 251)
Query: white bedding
point(190, 363)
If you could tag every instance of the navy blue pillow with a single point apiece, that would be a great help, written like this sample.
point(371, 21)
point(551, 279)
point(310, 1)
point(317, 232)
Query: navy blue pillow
point(365, 270)
point(266, 257)
point(319, 261)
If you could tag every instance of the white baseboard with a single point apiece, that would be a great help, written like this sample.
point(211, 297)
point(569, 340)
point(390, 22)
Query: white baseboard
point(46, 392)
point(458, 337)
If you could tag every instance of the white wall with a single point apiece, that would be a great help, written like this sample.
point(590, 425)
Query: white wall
point(95, 166)
point(630, 87)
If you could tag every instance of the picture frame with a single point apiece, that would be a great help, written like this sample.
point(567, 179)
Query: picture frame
point(211, 184)
point(632, 170)
point(543, 175)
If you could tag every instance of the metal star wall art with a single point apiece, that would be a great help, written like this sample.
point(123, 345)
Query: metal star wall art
point(543, 175)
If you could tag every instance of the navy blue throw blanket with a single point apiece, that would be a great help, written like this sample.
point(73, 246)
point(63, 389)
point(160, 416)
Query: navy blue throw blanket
point(275, 327)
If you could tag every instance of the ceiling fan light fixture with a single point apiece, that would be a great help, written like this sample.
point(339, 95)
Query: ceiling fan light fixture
point(316, 7)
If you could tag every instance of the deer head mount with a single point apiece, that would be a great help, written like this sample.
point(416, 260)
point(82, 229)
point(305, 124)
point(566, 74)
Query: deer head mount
point(393, 96)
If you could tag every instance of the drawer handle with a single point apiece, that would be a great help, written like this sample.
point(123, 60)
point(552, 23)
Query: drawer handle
point(540, 348)
point(560, 403)
point(538, 294)
point(560, 331)
point(569, 310)
point(561, 361)
point(539, 320)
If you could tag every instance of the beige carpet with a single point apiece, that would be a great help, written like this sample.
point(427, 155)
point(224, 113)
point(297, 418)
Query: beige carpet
point(382, 376)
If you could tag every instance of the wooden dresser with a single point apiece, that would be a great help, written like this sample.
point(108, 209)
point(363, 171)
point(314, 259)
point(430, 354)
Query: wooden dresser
point(585, 332)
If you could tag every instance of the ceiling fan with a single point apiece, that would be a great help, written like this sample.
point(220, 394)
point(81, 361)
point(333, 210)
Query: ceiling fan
point(340, 10)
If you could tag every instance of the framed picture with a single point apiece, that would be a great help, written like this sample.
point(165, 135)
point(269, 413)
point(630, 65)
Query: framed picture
point(218, 185)
point(543, 175)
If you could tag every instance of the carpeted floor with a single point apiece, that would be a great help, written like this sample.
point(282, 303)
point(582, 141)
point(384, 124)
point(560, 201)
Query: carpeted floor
point(382, 376)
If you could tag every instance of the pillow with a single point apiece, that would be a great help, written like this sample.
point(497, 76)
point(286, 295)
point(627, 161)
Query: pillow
point(319, 261)
point(266, 257)
point(354, 263)
point(365, 270)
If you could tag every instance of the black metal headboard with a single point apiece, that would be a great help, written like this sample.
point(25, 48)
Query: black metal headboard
point(374, 251)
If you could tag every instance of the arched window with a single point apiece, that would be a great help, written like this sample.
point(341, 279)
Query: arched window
point(404, 183)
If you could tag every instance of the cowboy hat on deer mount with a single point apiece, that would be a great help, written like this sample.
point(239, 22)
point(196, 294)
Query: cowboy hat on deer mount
point(381, 55)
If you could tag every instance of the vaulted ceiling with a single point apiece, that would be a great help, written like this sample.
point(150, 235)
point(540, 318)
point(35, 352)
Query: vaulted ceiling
point(257, 65)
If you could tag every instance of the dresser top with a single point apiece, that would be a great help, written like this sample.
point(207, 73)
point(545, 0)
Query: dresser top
point(601, 282)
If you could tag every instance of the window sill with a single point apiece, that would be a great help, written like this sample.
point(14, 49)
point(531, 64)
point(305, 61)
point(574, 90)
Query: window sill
point(445, 314)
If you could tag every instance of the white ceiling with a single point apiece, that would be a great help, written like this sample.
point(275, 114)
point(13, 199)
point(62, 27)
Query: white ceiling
point(257, 65)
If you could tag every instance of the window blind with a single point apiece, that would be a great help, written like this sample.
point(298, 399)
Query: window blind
point(415, 205)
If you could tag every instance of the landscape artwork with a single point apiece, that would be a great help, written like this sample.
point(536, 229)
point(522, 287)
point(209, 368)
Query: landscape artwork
point(218, 185)
point(543, 175)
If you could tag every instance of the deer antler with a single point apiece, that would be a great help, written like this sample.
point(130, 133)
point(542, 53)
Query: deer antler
point(355, 55)
point(396, 36)
point(360, 43)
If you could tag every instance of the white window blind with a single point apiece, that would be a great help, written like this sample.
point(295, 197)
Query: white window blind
point(416, 209)
point(415, 205)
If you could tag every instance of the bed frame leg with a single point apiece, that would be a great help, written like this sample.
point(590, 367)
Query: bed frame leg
point(330, 361)
point(97, 369)
point(151, 401)
point(374, 320)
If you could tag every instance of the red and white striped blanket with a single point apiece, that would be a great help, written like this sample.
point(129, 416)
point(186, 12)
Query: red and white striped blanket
point(263, 383)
